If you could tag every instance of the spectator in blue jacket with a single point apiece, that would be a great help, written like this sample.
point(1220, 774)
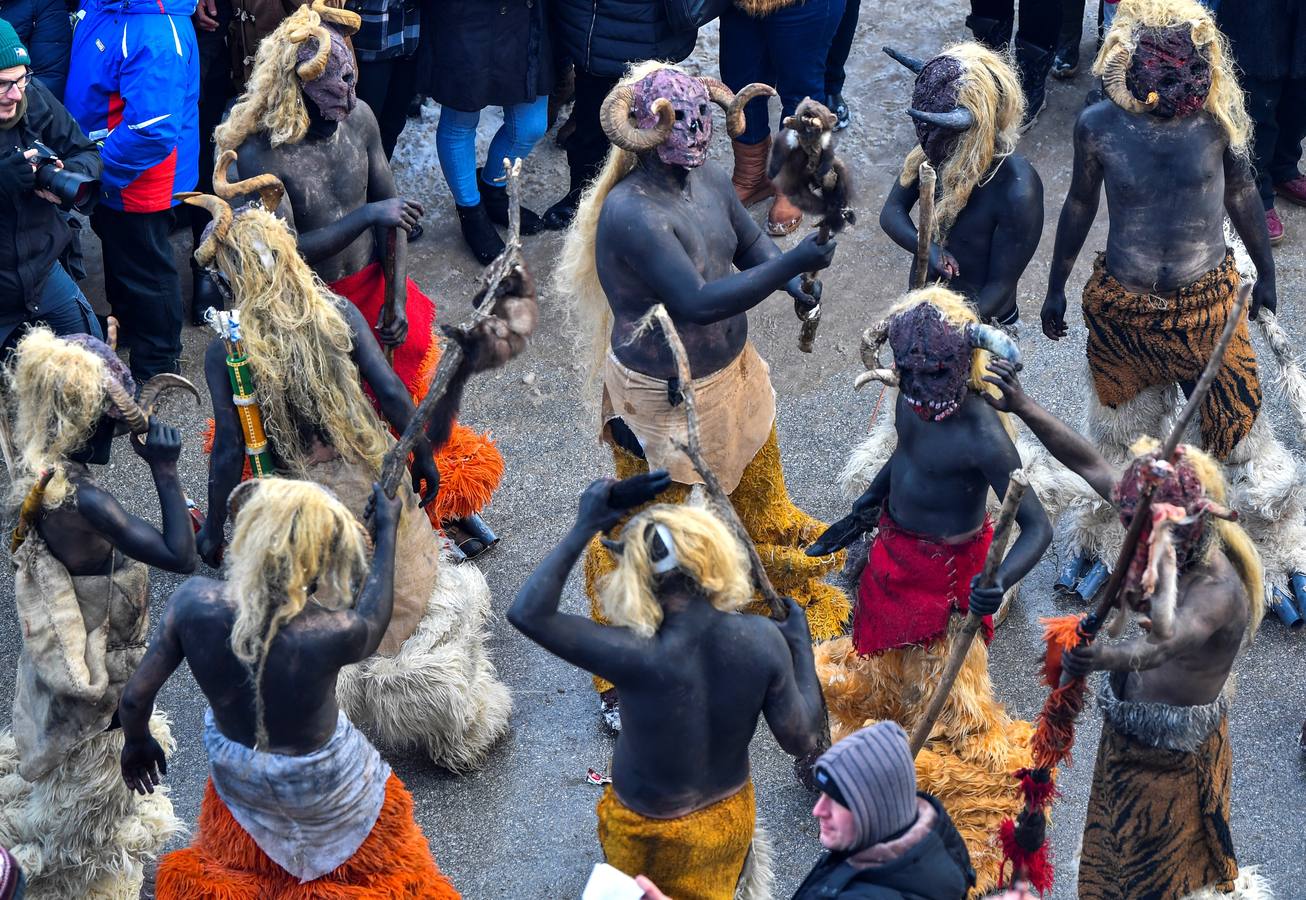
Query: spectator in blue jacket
point(134, 86)
point(43, 27)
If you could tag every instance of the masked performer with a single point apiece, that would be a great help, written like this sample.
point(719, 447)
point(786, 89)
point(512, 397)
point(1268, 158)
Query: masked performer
point(299, 119)
point(694, 678)
point(1158, 814)
point(966, 107)
point(929, 503)
point(430, 684)
point(1170, 144)
point(81, 587)
point(298, 804)
point(662, 224)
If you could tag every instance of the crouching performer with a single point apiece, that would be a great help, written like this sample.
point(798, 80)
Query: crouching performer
point(298, 803)
point(1170, 144)
point(1158, 814)
point(301, 121)
point(430, 684)
point(662, 224)
point(694, 677)
point(81, 588)
point(929, 505)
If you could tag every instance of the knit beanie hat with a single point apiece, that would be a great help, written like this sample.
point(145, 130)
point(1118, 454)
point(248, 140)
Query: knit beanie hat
point(12, 51)
point(872, 773)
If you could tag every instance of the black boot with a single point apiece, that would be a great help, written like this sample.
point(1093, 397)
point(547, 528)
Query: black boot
point(204, 294)
point(1066, 62)
point(494, 197)
point(992, 33)
point(1035, 63)
point(558, 216)
point(480, 234)
point(837, 105)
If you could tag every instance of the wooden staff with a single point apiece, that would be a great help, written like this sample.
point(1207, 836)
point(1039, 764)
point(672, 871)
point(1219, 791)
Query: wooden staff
point(924, 225)
point(395, 272)
point(720, 501)
point(1016, 488)
point(395, 463)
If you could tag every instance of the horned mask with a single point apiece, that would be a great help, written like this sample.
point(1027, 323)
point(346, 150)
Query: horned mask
point(939, 119)
point(326, 66)
point(130, 412)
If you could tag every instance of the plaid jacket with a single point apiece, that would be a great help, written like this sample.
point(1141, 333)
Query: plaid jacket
point(390, 28)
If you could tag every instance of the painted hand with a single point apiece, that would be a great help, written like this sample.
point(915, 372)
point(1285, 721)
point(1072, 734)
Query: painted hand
point(811, 256)
point(984, 601)
point(607, 501)
point(795, 628)
point(393, 334)
point(161, 447)
point(382, 513)
point(209, 544)
point(1079, 662)
point(1264, 296)
point(143, 765)
point(802, 299)
point(1011, 396)
point(424, 469)
point(943, 264)
point(396, 212)
point(1053, 315)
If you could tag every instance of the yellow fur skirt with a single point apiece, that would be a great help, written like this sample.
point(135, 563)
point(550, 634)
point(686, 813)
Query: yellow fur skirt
point(780, 530)
point(975, 745)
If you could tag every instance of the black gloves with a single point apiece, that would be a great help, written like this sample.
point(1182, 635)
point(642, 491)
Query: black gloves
point(16, 175)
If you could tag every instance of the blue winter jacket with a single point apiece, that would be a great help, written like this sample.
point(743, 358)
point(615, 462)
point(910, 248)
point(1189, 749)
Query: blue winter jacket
point(42, 26)
point(134, 86)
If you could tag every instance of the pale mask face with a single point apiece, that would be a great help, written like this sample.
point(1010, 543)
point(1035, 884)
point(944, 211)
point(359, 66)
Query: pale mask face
point(691, 132)
point(334, 91)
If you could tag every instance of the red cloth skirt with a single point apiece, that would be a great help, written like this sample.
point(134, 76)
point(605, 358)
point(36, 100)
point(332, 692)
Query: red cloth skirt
point(911, 585)
point(469, 463)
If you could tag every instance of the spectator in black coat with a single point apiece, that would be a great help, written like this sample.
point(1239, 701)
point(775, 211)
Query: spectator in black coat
point(602, 38)
point(884, 841)
point(45, 29)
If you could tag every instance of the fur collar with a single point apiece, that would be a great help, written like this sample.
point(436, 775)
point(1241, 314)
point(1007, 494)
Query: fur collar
point(894, 849)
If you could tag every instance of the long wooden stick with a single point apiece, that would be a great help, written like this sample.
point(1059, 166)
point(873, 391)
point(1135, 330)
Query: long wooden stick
point(395, 272)
point(1016, 488)
point(924, 224)
point(721, 504)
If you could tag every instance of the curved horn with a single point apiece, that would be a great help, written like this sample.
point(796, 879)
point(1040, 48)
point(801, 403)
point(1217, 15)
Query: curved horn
point(872, 339)
point(153, 389)
point(220, 210)
point(269, 187)
point(959, 119)
point(911, 62)
point(994, 340)
point(887, 376)
point(131, 411)
point(614, 116)
point(346, 21)
point(1113, 79)
point(735, 111)
point(312, 69)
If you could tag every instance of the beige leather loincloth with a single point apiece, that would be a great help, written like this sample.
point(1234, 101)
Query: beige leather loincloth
point(736, 409)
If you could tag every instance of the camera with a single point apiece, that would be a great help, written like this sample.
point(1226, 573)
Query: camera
point(74, 190)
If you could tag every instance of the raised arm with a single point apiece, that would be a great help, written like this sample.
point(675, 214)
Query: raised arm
point(173, 549)
point(613, 653)
point(227, 459)
point(1070, 448)
point(1243, 204)
point(1077, 217)
point(1020, 225)
point(794, 707)
point(143, 761)
point(370, 616)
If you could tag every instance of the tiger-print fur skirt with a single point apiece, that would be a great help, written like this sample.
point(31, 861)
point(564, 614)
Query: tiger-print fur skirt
point(1137, 341)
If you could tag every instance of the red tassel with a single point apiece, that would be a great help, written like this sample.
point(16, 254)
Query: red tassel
point(1035, 867)
point(1038, 787)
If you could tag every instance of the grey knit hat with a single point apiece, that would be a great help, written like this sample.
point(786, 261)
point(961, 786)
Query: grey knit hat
point(872, 773)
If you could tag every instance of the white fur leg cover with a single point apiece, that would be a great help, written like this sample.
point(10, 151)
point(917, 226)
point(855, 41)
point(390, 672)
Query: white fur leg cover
point(78, 832)
point(440, 693)
point(1267, 488)
point(1250, 885)
point(757, 881)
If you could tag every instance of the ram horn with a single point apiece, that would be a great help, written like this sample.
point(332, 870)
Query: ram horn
point(153, 389)
point(1113, 80)
point(220, 210)
point(994, 340)
point(959, 119)
point(346, 21)
point(614, 116)
point(911, 62)
point(735, 122)
point(131, 411)
point(873, 339)
point(312, 69)
point(886, 376)
point(269, 187)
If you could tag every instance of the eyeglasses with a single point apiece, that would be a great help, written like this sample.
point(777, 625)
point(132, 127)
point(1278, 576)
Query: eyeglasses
point(21, 83)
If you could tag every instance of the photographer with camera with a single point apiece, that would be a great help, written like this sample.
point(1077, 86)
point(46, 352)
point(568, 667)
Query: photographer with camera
point(46, 165)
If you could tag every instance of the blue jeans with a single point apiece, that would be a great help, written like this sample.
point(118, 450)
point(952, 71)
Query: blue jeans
point(455, 142)
point(64, 307)
point(787, 50)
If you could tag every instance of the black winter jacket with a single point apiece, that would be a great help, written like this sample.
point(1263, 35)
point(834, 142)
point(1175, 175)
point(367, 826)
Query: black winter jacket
point(937, 867)
point(33, 233)
point(603, 37)
point(479, 53)
point(45, 30)
point(1268, 36)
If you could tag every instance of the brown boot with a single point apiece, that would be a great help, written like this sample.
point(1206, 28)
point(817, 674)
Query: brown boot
point(751, 183)
point(783, 218)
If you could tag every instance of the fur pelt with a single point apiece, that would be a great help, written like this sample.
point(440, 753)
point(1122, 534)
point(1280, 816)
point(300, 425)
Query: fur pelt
point(1251, 885)
point(77, 832)
point(757, 881)
point(440, 693)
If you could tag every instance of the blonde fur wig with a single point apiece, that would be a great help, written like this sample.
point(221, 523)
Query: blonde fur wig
point(1225, 100)
point(1229, 536)
point(58, 390)
point(299, 344)
point(990, 89)
point(577, 276)
point(290, 539)
point(273, 101)
point(707, 553)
